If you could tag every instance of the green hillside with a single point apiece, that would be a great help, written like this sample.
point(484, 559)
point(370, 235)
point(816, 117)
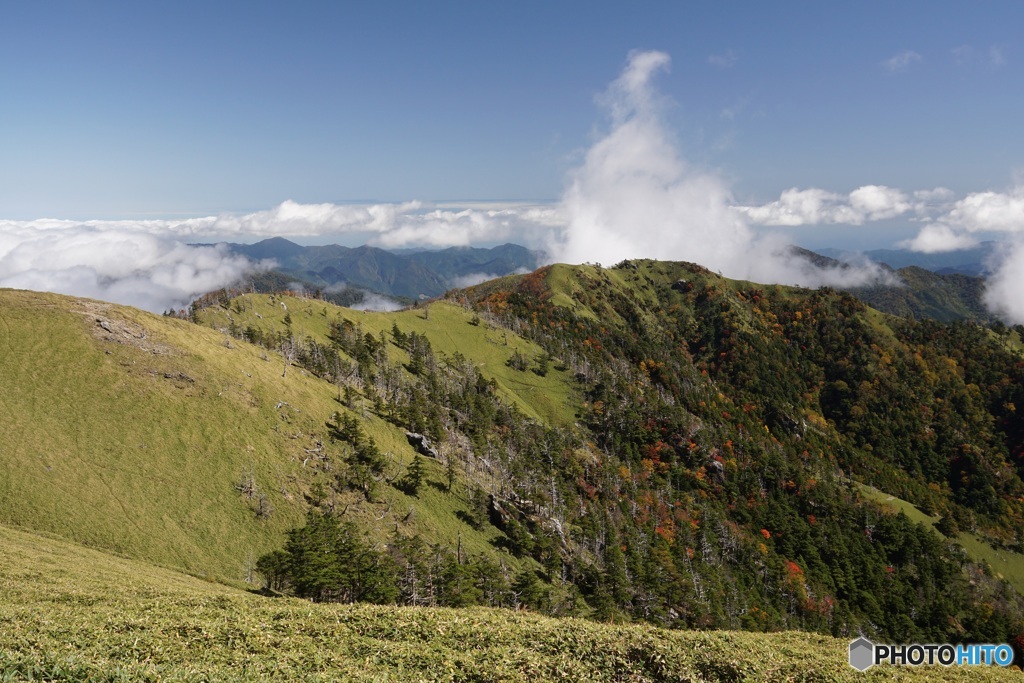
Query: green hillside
point(71, 613)
point(161, 440)
point(706, 419)
point(1003, 564)
point(751, 405)
point(923, 294)
point(645, 443)
point(451, 329)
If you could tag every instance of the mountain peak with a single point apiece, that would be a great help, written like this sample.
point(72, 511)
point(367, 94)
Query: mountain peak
point(271, 248)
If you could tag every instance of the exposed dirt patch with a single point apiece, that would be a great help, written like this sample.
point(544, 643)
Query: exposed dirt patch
point(110, 325)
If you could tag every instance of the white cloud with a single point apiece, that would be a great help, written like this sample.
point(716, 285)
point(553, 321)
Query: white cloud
point(634, 197)
point(929, 202)
point(994, 57)
point(146, 263)
point(982, 212)
point(877, 202)
point(411, 223)
point(989, 211)
point(370, 301)
point(956, 226)
point(455, 228)
point(292, 218)
point(127, 267)
point(938, 194)
point(725, 60)
point(376, 302)
point(902, 61)
point(815, 206)
point(471, 279)
point(1003, 288)
point(796, 207)
point(937, 237)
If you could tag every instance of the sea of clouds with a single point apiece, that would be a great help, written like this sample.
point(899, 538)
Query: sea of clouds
point(632, 196)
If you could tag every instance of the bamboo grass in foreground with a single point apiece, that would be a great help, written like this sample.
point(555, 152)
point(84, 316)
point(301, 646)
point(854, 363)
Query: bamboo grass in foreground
point(71, 613)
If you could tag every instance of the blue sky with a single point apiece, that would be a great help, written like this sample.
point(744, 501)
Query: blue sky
point(125, 109)
point(860, 125)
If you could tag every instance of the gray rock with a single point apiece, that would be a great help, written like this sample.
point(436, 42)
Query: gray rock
point(422, 445)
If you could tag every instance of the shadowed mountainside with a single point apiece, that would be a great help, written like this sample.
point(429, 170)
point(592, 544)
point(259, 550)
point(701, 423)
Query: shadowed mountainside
point(410, 275)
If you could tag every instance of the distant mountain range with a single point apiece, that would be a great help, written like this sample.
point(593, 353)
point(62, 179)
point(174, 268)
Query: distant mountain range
point(944, 287)
point(963, 261)
point(409, 275)
point(925, 294)
point(920, 293)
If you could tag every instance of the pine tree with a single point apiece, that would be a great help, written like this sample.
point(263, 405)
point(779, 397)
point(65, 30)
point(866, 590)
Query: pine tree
point(274, 566)
point(400, 338)
point(328, 562)
point(413, 478)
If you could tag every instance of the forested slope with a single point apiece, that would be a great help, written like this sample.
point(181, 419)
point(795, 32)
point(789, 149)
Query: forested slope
point(647, 442)
point(706, 479)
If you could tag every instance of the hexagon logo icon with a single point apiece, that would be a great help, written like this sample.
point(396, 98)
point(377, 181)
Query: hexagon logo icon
point(862, 654)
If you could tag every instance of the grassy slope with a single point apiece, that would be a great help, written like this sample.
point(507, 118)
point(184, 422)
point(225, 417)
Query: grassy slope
point(133, 439)
point(1004, 564)
point(71, 613)
point(106, 449)
point(447, 326)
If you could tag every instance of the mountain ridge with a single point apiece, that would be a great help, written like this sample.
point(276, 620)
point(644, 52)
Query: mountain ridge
point(410, 275)
point(974, 262)
point(650, 442)
point(937, 291)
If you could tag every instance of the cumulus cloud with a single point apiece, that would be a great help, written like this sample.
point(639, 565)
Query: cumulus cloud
point(960, 227)
point(936, 237)
point(877, 202)
point(981, 212)
point(902, 61)
point(635, 197)
point(457, 228)
point(978, 212)
point(148, 263)
point(127, 267)
point(1004, 286)
point(411, 223)
point(989, 211)
point(815, 206)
